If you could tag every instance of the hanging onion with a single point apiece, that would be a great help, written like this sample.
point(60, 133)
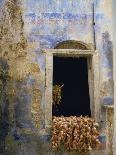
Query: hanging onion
point(75, 133)
point(57, 90)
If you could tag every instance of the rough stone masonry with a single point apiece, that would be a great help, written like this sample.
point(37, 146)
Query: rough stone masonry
point(27, 28)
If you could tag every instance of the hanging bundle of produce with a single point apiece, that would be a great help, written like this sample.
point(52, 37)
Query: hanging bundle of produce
point(57, 90)
point(75, 133)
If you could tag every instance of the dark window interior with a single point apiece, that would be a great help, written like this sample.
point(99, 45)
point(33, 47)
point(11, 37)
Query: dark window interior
point(73, 73)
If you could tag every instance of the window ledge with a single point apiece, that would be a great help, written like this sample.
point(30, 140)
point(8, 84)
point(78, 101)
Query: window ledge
point(108, 106)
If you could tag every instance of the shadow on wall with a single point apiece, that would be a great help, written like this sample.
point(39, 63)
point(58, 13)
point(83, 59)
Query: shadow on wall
point(108, 49)
point(108, 61)
point(4, 105)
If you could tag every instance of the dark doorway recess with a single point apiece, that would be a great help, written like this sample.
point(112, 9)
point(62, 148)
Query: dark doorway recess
point(73, 73)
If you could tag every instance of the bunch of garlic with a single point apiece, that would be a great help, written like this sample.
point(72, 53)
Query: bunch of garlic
point(57, 90)
point(75, 133)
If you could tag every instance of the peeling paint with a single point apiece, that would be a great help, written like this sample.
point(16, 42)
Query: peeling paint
point(27, 28)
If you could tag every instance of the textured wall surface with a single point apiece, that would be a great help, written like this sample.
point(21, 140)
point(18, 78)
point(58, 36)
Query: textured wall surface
point(28, 27)
point(114, 67)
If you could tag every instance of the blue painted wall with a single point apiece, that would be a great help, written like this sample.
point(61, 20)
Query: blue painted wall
point(49, 22)
point(46, 23)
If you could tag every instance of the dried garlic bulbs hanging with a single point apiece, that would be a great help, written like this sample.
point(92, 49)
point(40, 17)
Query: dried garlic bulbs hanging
point(75, 133)
point(57, 89)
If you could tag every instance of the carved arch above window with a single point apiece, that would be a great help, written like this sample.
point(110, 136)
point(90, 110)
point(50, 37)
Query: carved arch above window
point(72, 44)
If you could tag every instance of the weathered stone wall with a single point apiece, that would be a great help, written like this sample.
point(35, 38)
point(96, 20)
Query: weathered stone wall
point(28, 27)
point(20, 78)
point(114, 70)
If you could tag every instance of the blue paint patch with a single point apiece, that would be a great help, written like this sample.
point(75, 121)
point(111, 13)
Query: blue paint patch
point(51, 15)
point(30, 82)
point(110, 73)
point(45, 138)
point(41, 62)
point(96, 2)
point(43, 19)
point(32, 15)
point(23, 106)
point(69, 16)
point(1, 3)
point(102, 138)
point(99, 16)
point(21, 137)
point(108, 100)
point(47, 41)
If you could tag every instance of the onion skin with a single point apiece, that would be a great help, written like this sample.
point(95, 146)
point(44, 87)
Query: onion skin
point(75, 133)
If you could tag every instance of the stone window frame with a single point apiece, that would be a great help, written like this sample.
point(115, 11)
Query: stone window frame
point(94, 80)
